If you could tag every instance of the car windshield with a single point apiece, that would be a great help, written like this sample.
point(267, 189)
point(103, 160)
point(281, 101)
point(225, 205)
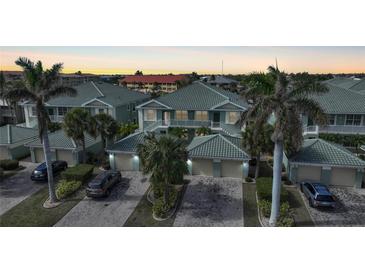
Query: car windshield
point(324, 198)
point(95, 184)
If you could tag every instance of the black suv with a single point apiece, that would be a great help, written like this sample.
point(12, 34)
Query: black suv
point(101, 185)
point(40, 172)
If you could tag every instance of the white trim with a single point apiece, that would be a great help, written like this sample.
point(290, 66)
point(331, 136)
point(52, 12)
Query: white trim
point(102, 94)
point(95, 99)
point(150, 101)
point(227, 102)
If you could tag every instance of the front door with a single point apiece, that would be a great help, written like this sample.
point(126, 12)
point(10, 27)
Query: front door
point(216, 119)
point(166, 118)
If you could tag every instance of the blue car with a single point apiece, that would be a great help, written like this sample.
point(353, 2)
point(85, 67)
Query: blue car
point(317, 194)
point(40, 172)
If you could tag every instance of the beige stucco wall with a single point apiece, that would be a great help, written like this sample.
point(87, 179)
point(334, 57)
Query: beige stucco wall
point(202, 167)
point(65, 155)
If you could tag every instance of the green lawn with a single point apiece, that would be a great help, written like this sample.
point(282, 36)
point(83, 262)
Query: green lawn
point(31, 212)
point(301, 214)
point(142, 214)
point(250, 205)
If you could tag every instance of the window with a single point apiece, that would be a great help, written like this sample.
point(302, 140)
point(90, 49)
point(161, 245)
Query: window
point(62, 111)
point(101, 110)
point(150, 115)
point(181, 115)
point(50, 111)
point(332, 119)
point(357, 120)
point(34, 111)
point(349, 120)
point(340, 120)
point(201, 115)
point(133, 107)
point(232, 117)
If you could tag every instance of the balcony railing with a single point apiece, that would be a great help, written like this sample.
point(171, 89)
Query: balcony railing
point(56, 118)
point(310, 130)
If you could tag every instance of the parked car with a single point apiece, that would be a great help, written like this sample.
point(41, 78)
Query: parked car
point(317, 194)
point(40, 172)
point(103, 182)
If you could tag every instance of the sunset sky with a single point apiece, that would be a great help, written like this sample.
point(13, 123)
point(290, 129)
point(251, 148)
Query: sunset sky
point(153, 60)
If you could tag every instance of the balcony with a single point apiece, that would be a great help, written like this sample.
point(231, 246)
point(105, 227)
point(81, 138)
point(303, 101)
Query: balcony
point(56, 118)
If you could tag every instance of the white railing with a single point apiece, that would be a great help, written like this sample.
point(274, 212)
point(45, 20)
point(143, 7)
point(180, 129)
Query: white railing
point(310, 130)
point(183, 123)
point(56, 118)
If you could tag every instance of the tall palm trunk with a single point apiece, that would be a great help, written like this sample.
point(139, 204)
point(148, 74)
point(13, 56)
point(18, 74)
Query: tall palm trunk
point(48, 160)
point(276, 185)
point(257, 170)
point(83, 151)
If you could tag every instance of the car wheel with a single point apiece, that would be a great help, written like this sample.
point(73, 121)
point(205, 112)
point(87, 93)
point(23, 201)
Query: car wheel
point(311, 203)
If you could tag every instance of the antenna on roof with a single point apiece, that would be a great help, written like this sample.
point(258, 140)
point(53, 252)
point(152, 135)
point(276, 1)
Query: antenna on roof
point(276, 62)
point(222, 67)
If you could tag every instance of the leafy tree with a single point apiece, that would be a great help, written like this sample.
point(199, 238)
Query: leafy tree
point(127, 129)
point(257, 141)
point(39, 86)
point(138, 72)
point(76, 122)
point(286, 98)
point(106, 126)
point(165, 159)
point(202, 131)
point(178, 132)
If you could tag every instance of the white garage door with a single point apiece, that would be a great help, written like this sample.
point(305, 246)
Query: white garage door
point(4, 153)
point(65, 155)
point(39, 155)
point(124, 162)
point(309, 173)
point(232, 169)
point(343, 177)
point(202, 167)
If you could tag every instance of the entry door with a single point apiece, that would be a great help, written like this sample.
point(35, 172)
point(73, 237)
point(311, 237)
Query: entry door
point(166, 118)
point(216, 119)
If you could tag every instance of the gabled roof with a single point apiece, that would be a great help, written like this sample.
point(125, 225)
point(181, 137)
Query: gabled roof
point(145, 79)
point(109, 94)
point(318, 151)
point(128, 144)
point(217, 147)
point(201, 96)
point(339, 100)
point(11, 134)
point(59, 139)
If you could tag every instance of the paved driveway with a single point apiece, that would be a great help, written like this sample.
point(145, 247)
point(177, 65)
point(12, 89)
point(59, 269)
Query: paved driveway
point(16, 188)
point(350, 210)
point(113, 210)
point(211, 202)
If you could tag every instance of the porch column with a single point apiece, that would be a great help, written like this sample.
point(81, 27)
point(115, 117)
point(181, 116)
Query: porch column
point(32, 155)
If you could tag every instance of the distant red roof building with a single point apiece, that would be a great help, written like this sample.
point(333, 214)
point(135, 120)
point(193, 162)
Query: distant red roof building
point(147, 79)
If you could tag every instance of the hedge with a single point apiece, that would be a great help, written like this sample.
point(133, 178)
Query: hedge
point(264, 189)
point(9, 164)
point(66, 188)
point(160, 208)
point(80, 172)
point(346, 140)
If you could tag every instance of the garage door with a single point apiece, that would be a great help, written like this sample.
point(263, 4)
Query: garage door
point(309, 173)
point(3, 153)
point(232, 169)
point(202, 167)
point(343, 177)
point(124, 162)
point(39, 155)
point(65, 155)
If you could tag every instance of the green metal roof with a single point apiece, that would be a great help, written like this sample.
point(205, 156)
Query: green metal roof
point(104, 92)
point(17, 134)
point(318, 151)
point(340, 100)
point(200, 96)
point(217, 147)
point(129, 144)
point(59, 139)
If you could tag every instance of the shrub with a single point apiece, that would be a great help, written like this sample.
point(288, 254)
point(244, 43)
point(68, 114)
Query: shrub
point(285, 218)
point(66, 188)
point(265, 207)
point(9, 164)
point(248, 179)
point(286, 221)
point(160, 208)
point(80, 172)
point(264, 189)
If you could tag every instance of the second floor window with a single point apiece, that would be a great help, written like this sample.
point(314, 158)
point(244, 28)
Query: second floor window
point(232, 117)
point(353, 120)
point(201, 115)
point(331, 119)
point(150, 115)
point(181, 115)
point(62, 111)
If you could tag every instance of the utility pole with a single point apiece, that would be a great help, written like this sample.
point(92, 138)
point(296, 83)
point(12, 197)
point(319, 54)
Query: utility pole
point(222, 67)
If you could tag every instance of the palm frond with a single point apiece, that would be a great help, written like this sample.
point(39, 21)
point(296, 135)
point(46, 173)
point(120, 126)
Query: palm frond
point(59, 91)
point(311, 107)
point(25, 63)
point(19, 94)
point(304, 84)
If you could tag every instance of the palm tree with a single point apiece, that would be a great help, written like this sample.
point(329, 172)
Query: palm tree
point(127, 129)
point(258, 142)
point(202, 131)
point(178, 132)
point(76, 122)
point(106, 126)
point(39, 86)
point(165, 159)
point(286, 98)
